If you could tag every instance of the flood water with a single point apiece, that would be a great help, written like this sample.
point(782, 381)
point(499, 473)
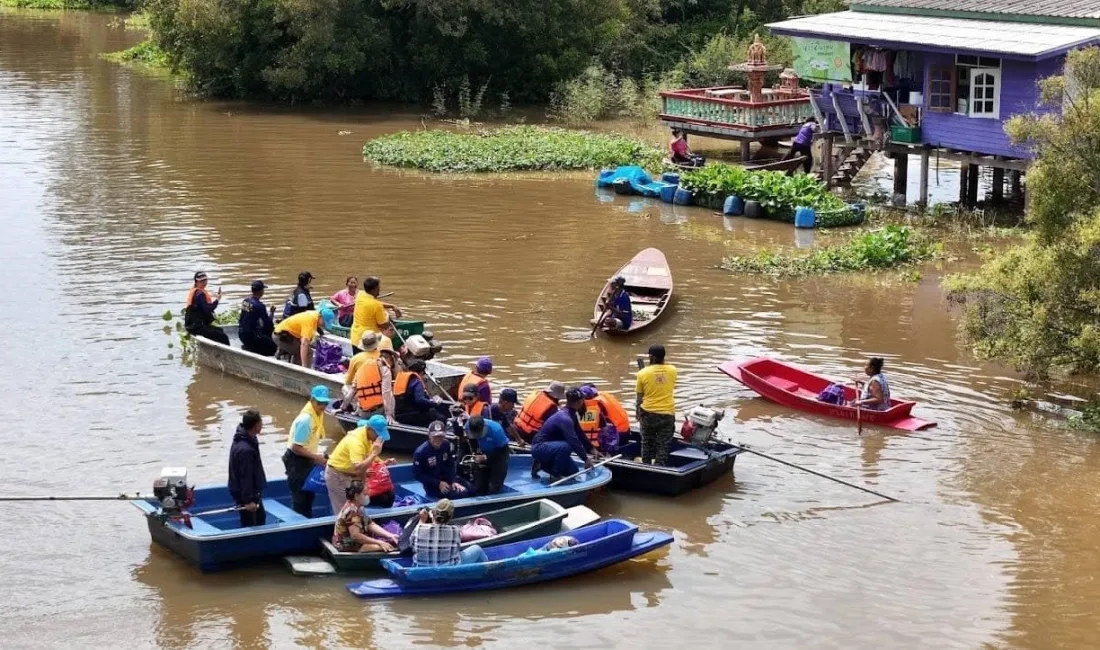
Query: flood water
point(114, 189)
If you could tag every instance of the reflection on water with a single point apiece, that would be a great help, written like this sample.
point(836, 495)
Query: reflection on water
point(116, 189)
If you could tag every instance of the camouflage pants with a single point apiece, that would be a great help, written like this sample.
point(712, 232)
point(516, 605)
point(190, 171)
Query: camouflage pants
point(657, 432)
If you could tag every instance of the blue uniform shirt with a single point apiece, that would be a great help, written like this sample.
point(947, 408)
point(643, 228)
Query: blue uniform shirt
point(622, 304)
point(494, 437)
point(563, 427)
point(431, 465)
point(254, 318)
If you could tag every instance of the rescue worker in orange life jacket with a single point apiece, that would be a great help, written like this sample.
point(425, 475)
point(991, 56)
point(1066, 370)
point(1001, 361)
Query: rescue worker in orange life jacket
point(412, 404)
point(198, 312)
point(374, 383)
point(596, 423)
point(472, 404)
point(537, 408)
point(479, 377)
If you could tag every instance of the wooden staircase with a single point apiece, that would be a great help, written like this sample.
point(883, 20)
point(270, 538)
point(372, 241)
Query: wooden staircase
point(847, 164)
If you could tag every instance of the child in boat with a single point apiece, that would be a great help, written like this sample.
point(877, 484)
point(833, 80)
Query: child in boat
point(352, 526)
point(875, 392)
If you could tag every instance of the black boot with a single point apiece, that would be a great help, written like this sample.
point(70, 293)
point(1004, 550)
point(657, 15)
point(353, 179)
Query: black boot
point(534, 469)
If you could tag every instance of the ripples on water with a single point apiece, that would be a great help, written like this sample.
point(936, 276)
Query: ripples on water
point(115, 190)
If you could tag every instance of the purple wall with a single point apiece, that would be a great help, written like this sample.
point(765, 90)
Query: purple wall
point(1019, 94)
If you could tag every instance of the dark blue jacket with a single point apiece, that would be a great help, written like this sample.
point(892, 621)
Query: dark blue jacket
point(415, 399)
point(563, 427)
point(431, 465)
point(246, 471)
point(254, 320)
point(200, 313)
point(505, 419)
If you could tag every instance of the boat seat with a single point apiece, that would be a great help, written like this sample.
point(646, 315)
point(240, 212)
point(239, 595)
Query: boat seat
point(783, 384)
point(416, 489)
point(203, 527)
point(281, 512)
point(689, 453)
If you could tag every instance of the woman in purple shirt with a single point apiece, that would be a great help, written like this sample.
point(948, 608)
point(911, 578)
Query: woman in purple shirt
point(801, 146)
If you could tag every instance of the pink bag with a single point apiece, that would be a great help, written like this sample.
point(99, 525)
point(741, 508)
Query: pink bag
point(479, 528)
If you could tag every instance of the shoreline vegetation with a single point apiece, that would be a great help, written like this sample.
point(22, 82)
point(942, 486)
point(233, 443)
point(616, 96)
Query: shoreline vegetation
point(145, 54)
point(509, 148)
point(71, 5)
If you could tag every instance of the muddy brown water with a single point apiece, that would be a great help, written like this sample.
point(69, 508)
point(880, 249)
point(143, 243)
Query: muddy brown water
point(114, 189)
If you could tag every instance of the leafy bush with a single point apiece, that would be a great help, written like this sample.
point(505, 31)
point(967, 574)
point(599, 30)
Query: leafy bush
point(508, 148)
point(144, 53)
point(599, 94)
point(889, 247)
point(778, 193)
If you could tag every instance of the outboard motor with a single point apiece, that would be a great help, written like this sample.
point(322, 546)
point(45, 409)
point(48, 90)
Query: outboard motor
point(700, 424)
point(173, 494)
point(422, 346)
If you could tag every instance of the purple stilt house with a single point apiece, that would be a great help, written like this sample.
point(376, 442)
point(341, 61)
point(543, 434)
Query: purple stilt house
point(934, 78)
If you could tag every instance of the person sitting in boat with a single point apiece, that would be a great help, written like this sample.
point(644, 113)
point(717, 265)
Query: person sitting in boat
point(492, 454)
point(680, 153)
point(539, 406)
point(620, 313)
point(436, 466)
point(471, 402)
point(300, 299)
point(353, 456)
point(504, 413)
point(302, 445)
point(875, 392)
point(246, 470)
point(344, 300)
point(198, 312)
point(374, 383)
point(438, 542)
point(412, 405)
point(255, 325)
point(370, 313)
point(294, 336)
point(368, 351)
point(561, 437)
point(479, 378)
point(613, 409)
point(355, 532)
point(596, 424)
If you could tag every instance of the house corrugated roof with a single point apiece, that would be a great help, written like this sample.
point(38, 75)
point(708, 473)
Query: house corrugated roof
point(1055, 8)
point(1025, 40)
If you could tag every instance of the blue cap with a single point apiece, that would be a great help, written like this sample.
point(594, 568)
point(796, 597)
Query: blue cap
point(378, 424)
point(320, 394)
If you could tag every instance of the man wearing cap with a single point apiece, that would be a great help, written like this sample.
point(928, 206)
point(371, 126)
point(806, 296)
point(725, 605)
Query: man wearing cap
point(656, 406)
point(367, 351)
point(436, 467)
point(596, 423)
point(300, 299)
point(301, 453)
point(471, 402)
point(370, 313)
point(255, 326)
point(353, 457)
point(198, 312)
point(374, 383)
point(294, 336)
point(620, 313)
point(479, 377)
point(504, 413)
point(539, 406)
point(492, 454)
point(412, 405)
point(559, 438)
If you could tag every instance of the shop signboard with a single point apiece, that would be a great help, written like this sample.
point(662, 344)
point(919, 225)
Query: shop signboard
point(821, 60)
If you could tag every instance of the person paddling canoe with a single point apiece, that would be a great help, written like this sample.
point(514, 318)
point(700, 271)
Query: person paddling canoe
point(874, 394)
point(620, 312)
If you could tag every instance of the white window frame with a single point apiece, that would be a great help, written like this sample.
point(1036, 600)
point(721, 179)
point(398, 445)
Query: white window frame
point(995, 73)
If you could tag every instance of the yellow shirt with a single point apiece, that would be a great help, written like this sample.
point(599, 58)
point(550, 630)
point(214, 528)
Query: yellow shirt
point(656, 384)
point(307, 429)
point(302, 325)
point(369, 316)
point(350, 451)
point(357, 360)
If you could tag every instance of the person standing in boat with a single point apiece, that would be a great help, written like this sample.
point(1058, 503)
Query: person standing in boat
point(436, 466)
point(300, 299)
point(656, 406)
point(198, 312)
point(302, 446)
point(374, 383)
point(255, 325)
point(344, 300)
point(353, 456)
point(246, 470)
point(561, 437)
point(294, 336)
point(370, 313)
point(620, 314)
point(368, 351)
point(874, 394)
point(802, 145)
point(412, 405)
point(492, 454)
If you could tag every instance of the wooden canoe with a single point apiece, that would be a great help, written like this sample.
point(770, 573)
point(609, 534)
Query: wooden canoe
point(790, 386)
point(787, 166)
point(649, 284)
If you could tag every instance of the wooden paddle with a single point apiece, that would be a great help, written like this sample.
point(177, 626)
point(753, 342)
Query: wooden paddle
point(589, 469)
point(599, 322)
point(859, 412)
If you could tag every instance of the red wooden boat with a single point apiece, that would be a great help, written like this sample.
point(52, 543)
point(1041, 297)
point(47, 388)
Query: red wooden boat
point(790, 386)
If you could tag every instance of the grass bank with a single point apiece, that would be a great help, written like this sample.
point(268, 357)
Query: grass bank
point(145, 53)
point(512, 148)
point(85, 5)
point(888, 247)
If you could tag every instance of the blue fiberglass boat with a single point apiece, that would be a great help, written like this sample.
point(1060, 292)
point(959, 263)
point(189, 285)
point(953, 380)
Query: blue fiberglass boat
point(215, 542)
point(599, 545)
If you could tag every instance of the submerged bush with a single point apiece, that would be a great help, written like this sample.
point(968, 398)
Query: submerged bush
point(599, 94)
point(144, 53)
point(889, 247)
point(508, 148)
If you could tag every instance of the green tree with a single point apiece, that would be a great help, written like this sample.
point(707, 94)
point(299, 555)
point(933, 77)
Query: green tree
point(1037, 306)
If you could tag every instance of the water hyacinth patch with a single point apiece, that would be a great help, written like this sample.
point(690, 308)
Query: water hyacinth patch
point(511, 148)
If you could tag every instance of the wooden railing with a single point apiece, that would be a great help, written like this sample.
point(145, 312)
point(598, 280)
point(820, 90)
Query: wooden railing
point(695, 105)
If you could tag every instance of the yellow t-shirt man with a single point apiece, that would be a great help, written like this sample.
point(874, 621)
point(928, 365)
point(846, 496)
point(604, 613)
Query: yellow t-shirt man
point(369, 316)
point(302, 325)
point(656, 384)
point(350, 451)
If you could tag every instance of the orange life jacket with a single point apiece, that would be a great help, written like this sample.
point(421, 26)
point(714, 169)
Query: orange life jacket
point(191, 296)
point(401, 384)
point(614, 412)
point(368, 385)
point(471, 379)
point(592, 421)
point(191, 318)
point(476, 407)
point(536, 408)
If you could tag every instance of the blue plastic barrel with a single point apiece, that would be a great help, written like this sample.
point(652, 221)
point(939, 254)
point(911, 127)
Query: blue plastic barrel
point(682, 196)
point(671, 177)
point(859, 209)
point(805, 218)
point(733, 206)
point(668, 193)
